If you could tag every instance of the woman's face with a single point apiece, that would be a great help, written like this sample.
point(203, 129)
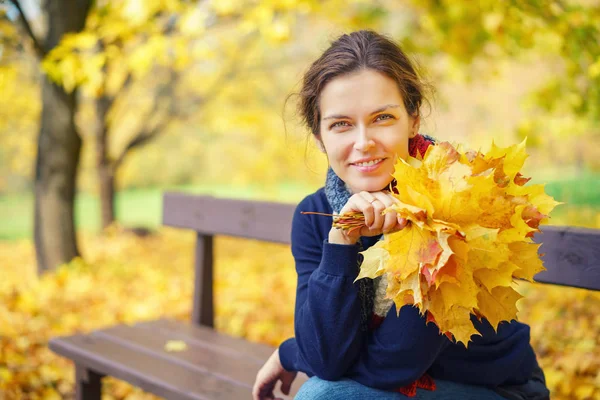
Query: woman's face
point(364, 127)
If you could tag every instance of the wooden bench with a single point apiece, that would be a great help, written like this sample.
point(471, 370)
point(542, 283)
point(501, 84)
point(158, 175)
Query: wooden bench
point(217, 366)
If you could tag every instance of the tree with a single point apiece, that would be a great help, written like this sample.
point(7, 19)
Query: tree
point(124, 46)
point(566, 109)
point(59, 143)
point(107, 49)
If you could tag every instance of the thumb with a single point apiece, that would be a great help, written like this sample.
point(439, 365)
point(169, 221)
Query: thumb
point(286, 383)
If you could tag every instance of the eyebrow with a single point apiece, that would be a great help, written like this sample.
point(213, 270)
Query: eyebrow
point(380, 109)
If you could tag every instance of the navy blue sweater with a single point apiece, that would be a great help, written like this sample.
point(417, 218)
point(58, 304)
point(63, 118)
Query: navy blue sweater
point(330, 344)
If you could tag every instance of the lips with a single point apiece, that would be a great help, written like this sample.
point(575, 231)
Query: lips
point(368, 163)
point(368, 166)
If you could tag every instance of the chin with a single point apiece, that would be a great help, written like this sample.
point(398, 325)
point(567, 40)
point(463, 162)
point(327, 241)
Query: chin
point(369, 185)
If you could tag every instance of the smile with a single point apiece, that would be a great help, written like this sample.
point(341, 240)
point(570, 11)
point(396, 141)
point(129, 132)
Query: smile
point(368, 163)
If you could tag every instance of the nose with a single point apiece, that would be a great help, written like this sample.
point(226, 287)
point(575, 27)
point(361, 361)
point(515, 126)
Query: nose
point(363, 140)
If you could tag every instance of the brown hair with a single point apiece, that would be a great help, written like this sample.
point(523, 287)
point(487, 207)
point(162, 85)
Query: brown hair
point(353, 52)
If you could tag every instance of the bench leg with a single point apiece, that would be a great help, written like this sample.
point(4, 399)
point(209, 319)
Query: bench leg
point(88, 385)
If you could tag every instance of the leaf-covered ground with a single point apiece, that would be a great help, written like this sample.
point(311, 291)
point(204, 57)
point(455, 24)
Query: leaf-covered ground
point(127, 278)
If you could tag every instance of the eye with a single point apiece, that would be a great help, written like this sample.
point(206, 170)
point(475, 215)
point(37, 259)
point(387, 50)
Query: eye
point(339, 124)
point(383, 117)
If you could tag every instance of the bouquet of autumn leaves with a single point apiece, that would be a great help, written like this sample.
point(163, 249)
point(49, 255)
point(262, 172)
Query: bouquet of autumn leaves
point(469, 236)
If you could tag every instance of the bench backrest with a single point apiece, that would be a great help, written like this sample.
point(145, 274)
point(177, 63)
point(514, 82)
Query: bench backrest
point(571, 255)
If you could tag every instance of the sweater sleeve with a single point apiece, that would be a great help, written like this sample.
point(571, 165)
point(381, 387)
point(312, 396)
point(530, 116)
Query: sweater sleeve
point(399, 352)
point(328, 337)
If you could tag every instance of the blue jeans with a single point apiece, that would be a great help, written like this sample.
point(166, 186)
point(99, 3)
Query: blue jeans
point(345, 389)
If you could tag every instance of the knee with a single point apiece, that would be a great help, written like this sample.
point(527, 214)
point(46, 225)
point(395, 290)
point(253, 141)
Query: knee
point(316, 388)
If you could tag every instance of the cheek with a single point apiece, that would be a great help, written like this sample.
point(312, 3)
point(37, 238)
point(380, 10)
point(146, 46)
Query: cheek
point(398, 145)
point(334, 146)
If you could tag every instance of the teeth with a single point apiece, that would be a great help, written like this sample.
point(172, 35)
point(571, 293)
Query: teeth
point(369, 163)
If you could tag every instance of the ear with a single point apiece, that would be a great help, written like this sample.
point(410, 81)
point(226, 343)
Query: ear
point(319, 143)
point(416, 124)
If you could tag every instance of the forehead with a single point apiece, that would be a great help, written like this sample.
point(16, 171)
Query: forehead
point(359, 93)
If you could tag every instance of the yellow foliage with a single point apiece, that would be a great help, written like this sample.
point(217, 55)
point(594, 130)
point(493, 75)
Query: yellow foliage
point(125, 272)
point(128, 279)
point(19, 111)
point(470, 224)
point(143, 34)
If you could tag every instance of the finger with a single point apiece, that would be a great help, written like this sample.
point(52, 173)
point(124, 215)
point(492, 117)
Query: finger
point(286, 383)
point(259, 393)
point(267, 395)
point(361, 203)
point(402, 223)
point(262, 391)
point(389, 218)
point(376, 207)
point(285, 389)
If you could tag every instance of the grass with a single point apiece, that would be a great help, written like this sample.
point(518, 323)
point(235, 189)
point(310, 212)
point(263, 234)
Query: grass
point(142, 207)
point(584, 190)
point(134, 207)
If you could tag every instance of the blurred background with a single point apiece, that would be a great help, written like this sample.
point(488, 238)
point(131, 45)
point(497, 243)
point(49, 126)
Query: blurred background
point(105, 105)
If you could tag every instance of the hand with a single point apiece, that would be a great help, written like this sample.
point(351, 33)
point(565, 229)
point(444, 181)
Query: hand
point(268, 376)
point(371, 204)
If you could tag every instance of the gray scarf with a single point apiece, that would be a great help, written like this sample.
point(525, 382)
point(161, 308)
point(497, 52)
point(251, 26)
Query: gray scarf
point(337, 194)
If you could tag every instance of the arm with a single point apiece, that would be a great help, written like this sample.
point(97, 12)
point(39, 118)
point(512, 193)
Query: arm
point(327, 324)
point(327, 315)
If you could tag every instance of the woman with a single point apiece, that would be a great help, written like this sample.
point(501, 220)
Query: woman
point(361, 99)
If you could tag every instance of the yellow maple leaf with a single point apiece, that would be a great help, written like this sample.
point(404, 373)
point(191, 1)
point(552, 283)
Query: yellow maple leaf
point(486, 253)
point(525, 256)
point(463, 293)
point(536, 195)
point(412, 213)
point(409, 248)
point(452, 318)
point(374, 260)
point(175, 346)
point(438, 159)
point(408, 291)
point(498, 305)
point(421, 199)
point(471, 219)
point(513, 157)
point(490, 278)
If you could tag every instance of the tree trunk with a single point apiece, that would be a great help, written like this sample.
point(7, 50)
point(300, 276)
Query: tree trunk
point(106, 171)
point(56, 168)
point(58, 150)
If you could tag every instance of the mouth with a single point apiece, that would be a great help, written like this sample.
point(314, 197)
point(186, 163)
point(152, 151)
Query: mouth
point(368, 163)
point(367, 166)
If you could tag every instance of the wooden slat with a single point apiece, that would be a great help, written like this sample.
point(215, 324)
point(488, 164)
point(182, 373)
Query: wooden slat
point(190, 333)
point(214, 216)
point(202, 357)
point(572, 256)
point(163, 378)
point(202, 336)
